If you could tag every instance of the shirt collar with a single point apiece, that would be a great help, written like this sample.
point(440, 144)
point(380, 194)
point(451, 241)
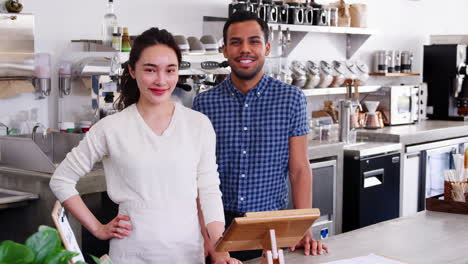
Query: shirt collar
point(258, 90)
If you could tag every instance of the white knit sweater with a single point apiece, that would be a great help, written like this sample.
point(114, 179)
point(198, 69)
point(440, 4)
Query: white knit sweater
point(142, 167)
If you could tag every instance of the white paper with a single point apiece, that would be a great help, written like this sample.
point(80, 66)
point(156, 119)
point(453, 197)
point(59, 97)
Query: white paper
point(369, 259)
point(69, 236)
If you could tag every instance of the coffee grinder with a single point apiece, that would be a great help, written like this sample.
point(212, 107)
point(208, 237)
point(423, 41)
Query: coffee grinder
point(444, 71)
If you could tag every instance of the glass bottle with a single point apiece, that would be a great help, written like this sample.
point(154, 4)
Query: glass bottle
point(126, 46)
point(108, 23)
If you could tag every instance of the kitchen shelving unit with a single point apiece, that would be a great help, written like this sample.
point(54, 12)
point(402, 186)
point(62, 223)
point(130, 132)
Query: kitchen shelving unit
point(355, 37)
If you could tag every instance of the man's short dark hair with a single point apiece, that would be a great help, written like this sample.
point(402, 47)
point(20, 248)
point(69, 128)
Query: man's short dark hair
point(242, 16)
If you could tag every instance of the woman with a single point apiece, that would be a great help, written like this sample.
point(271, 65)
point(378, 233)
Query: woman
point(158, 158)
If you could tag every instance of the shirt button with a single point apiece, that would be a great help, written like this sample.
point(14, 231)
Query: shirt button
point(232, 94)
point(246, 105)
point(242, 198)
point(244, 152)
point(243, 175)
point(258, 93)
point(245, 128)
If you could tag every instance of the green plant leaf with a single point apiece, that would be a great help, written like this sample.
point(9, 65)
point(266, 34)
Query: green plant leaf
point(15, 253)
point(44, 243)
point(60, 257)
point(96, 259)
point(79, 262)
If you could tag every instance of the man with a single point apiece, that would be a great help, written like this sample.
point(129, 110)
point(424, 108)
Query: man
point(261, 129)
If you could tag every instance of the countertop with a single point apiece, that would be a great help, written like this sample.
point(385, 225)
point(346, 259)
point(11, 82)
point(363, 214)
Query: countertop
point(426, 237)
point(424, 131)
point(319, 149)
point(363, 149)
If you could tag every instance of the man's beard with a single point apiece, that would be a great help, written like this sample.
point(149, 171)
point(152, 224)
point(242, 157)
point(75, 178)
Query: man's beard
point(247, 76)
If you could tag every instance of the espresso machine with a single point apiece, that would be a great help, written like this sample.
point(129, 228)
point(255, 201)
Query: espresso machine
point(444, 71)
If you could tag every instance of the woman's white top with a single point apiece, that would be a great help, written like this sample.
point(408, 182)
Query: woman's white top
point(160, 174)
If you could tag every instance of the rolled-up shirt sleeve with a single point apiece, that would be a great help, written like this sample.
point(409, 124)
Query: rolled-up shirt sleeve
point(208, 177)
point(78, 162)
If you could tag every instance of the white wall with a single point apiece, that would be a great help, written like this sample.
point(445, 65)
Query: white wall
point(402, 24)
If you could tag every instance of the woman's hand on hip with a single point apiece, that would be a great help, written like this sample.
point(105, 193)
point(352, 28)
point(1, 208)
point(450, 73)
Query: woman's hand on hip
point(117, 228)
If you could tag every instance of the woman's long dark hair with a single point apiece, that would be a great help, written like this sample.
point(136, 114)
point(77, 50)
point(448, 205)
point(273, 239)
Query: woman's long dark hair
point(129, 92)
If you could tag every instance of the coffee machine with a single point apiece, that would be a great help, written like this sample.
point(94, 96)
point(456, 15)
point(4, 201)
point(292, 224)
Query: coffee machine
point(444, 71)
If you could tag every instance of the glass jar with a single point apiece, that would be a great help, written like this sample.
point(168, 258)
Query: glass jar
point(333, 16)
point(298, 74)
point(362, 73)
point(339, 70)
point(352, 72)
point(313, 75)
point(326, 76)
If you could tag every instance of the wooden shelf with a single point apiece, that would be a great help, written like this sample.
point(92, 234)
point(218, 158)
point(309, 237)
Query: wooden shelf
point(394, 74)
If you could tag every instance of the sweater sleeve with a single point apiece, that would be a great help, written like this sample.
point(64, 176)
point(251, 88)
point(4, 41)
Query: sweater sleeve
point(78, 162)
point(208, 177)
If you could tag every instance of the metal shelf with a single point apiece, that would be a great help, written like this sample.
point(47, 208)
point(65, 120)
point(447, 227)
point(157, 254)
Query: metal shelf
point(338, 90)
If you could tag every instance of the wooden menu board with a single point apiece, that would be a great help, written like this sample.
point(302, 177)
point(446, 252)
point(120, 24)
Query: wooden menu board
point(253, 230)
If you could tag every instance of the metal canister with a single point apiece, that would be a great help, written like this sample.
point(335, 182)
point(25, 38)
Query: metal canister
point(296, 14)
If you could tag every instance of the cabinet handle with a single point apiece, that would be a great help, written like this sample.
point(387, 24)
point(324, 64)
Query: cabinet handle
point(414, 155)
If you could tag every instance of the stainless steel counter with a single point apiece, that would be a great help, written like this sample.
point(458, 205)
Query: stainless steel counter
point(425, 131)
point(426, 237)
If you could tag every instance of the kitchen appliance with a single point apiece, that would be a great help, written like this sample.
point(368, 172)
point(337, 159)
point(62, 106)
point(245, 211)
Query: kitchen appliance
point(444, 71)
point(419, 102)
point(371, 185)
point(372, 120)
point(424, 168)
point(323, 197)
point(395, 103)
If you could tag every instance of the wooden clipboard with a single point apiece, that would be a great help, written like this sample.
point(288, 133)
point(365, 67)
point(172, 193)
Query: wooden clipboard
point(253, 230)
point(66, 233)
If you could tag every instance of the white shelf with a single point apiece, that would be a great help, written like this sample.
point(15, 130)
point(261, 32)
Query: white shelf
point(338, 90)
point(323, 29)
point(355, 37)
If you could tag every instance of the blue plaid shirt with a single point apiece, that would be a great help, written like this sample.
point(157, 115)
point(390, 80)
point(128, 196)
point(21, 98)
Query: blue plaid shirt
point(252, 147)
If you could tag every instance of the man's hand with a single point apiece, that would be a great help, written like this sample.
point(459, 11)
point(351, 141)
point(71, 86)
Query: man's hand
point(114, 229)
point(223, 258)
point(311, 246)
